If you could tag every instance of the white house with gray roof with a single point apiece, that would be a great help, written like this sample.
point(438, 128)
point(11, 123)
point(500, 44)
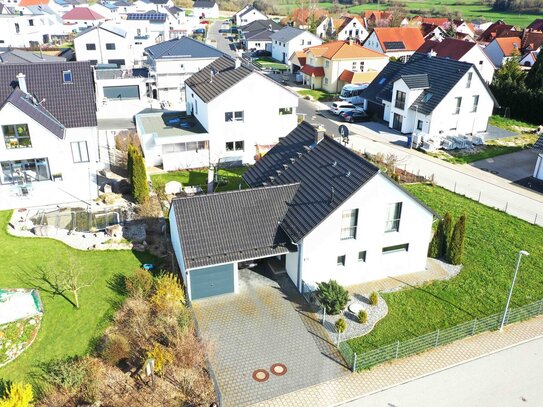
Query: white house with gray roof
point(321, 209)
point(289, 40)
point(49, 152)
point(247, 15)
point(205, 9)
point(171, 62)
point(104, 44)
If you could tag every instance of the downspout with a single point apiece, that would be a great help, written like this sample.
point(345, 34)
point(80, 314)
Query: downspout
point(300, 262)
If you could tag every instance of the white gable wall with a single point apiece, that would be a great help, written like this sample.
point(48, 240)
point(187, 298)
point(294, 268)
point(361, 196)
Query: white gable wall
point(323, 245)
point(373, 43)
point(354, 29)
point(281, 51)
point(100, 39)
point(482, 62)
point(248, 18)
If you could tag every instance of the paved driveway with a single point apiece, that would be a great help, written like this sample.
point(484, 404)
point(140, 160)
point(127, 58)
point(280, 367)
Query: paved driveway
point(512, 166)
point(262, 325)
point(219, 41)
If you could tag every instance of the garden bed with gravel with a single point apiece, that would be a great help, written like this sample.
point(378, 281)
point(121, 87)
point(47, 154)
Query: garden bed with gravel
point(16, 337)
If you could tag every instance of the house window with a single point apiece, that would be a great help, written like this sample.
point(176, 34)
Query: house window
point(308, 42)
point(458, 103)
point(302, 42)
point(16, 136)
point(362, 256)
point(470, 76)
point(235, 146)
point(326, 64)
point(326, 81)
point(21, 171)
point(349, 221)
point(17, 29)
point(285, 110)
point(67, 76)
point(91, 47)
point(110, 46)
point(31, 23)
point(361, 66)
point(394, 214)
point(233, 116)
point(400, 100)
point(80, 152)
point(341, 260)
point(419, 124)
point(354, 66)
point(475, 103)
point(396, 249)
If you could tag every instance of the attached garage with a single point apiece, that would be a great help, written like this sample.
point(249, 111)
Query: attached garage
point(210, 281)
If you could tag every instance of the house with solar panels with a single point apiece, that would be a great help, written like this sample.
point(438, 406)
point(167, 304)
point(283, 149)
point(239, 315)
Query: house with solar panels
point(431, 95)
point(48, 153)
point(311, 205)
point(397, 42)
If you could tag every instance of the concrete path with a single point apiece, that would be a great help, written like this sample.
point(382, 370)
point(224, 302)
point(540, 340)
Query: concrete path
point(388, 375)
point(509, 378)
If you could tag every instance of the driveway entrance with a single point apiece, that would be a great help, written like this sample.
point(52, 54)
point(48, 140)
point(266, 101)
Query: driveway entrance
point(265, 324)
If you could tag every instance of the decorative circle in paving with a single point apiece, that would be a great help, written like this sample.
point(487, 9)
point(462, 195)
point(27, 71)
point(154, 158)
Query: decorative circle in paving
point(278, 369)
point(261, 375)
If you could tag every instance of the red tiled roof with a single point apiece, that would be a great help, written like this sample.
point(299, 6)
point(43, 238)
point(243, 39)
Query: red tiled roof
point(436, 21)
point(410, 36)
point(495, 30)
point(377, 15)
point(343, 50)
point(301, 15)
point(313, 71)
point(448, 48)
point(26, 3)
point(82, 13)
point(358, 77)
point(536, 25)
point(509, 45)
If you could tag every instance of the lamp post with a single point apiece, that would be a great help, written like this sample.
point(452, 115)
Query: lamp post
point(520, 254)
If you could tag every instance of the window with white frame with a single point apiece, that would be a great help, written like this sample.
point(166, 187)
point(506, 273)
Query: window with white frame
point(361, 66)
point(458, 103)
point(80, 152)
point(470, 76)
point(349, 222)
point(341, 260)
point(235, 146)
point(285, 110)
point(16, 136)
point(67, 76)
point(362, 256)
point(326, 81)
point(394, 214)
point(475, 103)
point(399, 248)
point(233, 116)
point(326, 64)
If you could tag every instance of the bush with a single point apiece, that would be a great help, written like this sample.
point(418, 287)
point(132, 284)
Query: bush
point(168, 293)
point(435, 250)
point(374, 298)
point(446, 239)
point(116, 348)
point(362, 316)
point(139, 179)
point(67, 373)
point(456, 249)
point(162, 356)
point(140, 284)
point(332, 296)
point(17, 395)
point(341, 325)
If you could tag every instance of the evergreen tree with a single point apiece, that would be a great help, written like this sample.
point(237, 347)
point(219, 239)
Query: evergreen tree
point(446, 235)
point(130, 162)
point(139, 178)
point(456, 248)
point(435, 245)
point(534, 79)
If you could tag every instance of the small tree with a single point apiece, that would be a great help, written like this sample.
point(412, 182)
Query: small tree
point(437, 243)
point(332, 296)
point(69, 277)
point(18, 395)
point(374, 298)
point(140, 284)
point(362, 316)
point(168, 292)
point(162, 357)
point(447, 226)
point(341, 325)
point(139, 178)
point(131, 150)
point(456, 249)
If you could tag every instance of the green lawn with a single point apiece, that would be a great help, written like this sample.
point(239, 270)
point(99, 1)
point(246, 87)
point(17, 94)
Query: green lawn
point(490, 150)
point(516, 126)
point(65, 331)
point(270, 63)
point(232, 176)
point(493, 240)
point(319, 95)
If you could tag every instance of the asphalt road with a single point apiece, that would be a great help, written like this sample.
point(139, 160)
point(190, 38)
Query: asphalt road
point(508, 378)
point(216, 39)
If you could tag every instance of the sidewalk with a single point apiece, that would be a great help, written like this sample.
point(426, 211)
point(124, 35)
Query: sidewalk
point(391, 374)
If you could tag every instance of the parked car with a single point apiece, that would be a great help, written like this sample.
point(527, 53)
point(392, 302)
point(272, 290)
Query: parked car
point(353, 116)
point(259, 53)
point(341, 107)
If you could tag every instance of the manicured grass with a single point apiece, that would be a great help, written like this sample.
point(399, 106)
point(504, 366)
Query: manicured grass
point(493, 240)
point(270, 63)
point(319, 95)
point(199, 178)
point(489, 151)
point(516, 126)
point(65, 331)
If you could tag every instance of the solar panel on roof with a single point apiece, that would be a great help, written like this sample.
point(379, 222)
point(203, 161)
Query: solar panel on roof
point(146, 16)
point(394, 45)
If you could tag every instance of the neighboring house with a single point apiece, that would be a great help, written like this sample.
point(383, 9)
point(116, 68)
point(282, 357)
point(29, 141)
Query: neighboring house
point(104, 44)
point(81, 18)
point(462, 27)
point(538, 147)
point(433, 32)
point(502, 49)
point(247, 15)
point(327, 63)
point(529, 59)
point(206, 9)
point(495, 30)
point(227, 122)
point(431, 95)
point(48, 121)
point(462, 51)
point(362, 227)
point(172, 62)
point(536, 25)
point(377, 18)
point(442, 22)
point(30, 28)
point(257, 35)
point(17, 56)
point(399, 42)
point(288, 40)
point(343, 28)
point(305, 18)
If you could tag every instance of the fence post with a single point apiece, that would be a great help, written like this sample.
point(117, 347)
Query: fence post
point(354, 362)
point(479, 199)
point(474, 325)
point(535, 219)
point(506, 205)
point(455, 187)
point(540, 306)
point(437, 339)
point(397, 349)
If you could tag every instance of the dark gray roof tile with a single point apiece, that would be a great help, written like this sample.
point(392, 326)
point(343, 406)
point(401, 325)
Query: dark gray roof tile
point(184, 47)
point(419, 81)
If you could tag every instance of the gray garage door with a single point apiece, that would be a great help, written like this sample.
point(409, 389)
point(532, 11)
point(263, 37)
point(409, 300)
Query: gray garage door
point(212, 281)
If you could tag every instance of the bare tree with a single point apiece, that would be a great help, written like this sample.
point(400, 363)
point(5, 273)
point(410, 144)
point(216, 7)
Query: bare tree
point(69, 277)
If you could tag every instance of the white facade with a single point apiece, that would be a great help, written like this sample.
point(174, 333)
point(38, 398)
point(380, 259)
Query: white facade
point(119, 94)
point(262, 123)
point(206, 12)
point(281, 51)
point(321, 248)
point(480, 60)
point(247, 15)
point(61, 178)
point(444, 119)
point(26, 30)
point(354, 29)
point(102, 46)
point(372, 42)
point(538, 170)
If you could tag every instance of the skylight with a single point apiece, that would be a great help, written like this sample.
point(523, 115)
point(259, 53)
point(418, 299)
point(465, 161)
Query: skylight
point(382, 80)
point(67, 76)
point(427, 97)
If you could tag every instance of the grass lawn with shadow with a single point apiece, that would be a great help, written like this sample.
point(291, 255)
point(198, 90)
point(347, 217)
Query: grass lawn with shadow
point(232, 178)
point(493, 240)
point(65, 330)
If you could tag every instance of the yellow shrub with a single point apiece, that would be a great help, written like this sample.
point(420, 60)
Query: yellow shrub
point(18, 395)
point(162, 357)
point(168, 292)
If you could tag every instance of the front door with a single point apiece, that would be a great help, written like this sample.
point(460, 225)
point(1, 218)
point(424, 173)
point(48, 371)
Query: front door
point(397, 122)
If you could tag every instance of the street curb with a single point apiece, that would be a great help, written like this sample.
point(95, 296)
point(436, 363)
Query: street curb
point(438, 371)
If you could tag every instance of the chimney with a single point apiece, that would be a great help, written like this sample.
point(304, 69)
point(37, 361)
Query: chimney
point(237, 63)
point(21, 78)
point(319, 133)
point(212, 74)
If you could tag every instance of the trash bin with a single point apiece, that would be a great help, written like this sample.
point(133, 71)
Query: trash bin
point(409, 140)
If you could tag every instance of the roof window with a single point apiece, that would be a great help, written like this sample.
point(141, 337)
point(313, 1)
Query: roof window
point(67, 76)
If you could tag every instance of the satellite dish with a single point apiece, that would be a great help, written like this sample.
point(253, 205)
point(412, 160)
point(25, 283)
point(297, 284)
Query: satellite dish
point(343, 131)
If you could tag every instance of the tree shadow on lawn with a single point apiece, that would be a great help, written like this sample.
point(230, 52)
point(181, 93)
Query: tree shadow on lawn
point(43, 282)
